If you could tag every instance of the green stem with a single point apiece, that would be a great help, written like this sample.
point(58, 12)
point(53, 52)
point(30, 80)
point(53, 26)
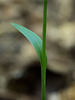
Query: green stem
point(44, 28)
point(43, 67)
point(43, 82)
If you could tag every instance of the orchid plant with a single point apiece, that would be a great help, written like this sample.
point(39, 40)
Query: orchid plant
point(39, 45)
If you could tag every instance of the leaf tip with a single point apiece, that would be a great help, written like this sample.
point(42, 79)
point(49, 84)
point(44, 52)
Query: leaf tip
point(12, 23)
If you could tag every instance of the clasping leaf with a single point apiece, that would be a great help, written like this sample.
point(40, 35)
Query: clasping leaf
point(33, 38)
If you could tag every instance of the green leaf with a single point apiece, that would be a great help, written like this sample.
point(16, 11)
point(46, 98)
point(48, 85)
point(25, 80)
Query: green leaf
point(33, 38)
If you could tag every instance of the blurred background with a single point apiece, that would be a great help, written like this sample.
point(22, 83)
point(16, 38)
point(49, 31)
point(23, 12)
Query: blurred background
point(20, 70)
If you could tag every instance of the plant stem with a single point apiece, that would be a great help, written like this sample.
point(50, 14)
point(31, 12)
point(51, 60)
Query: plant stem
point(44, 27)
point(43, 82)
point(43, 67)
